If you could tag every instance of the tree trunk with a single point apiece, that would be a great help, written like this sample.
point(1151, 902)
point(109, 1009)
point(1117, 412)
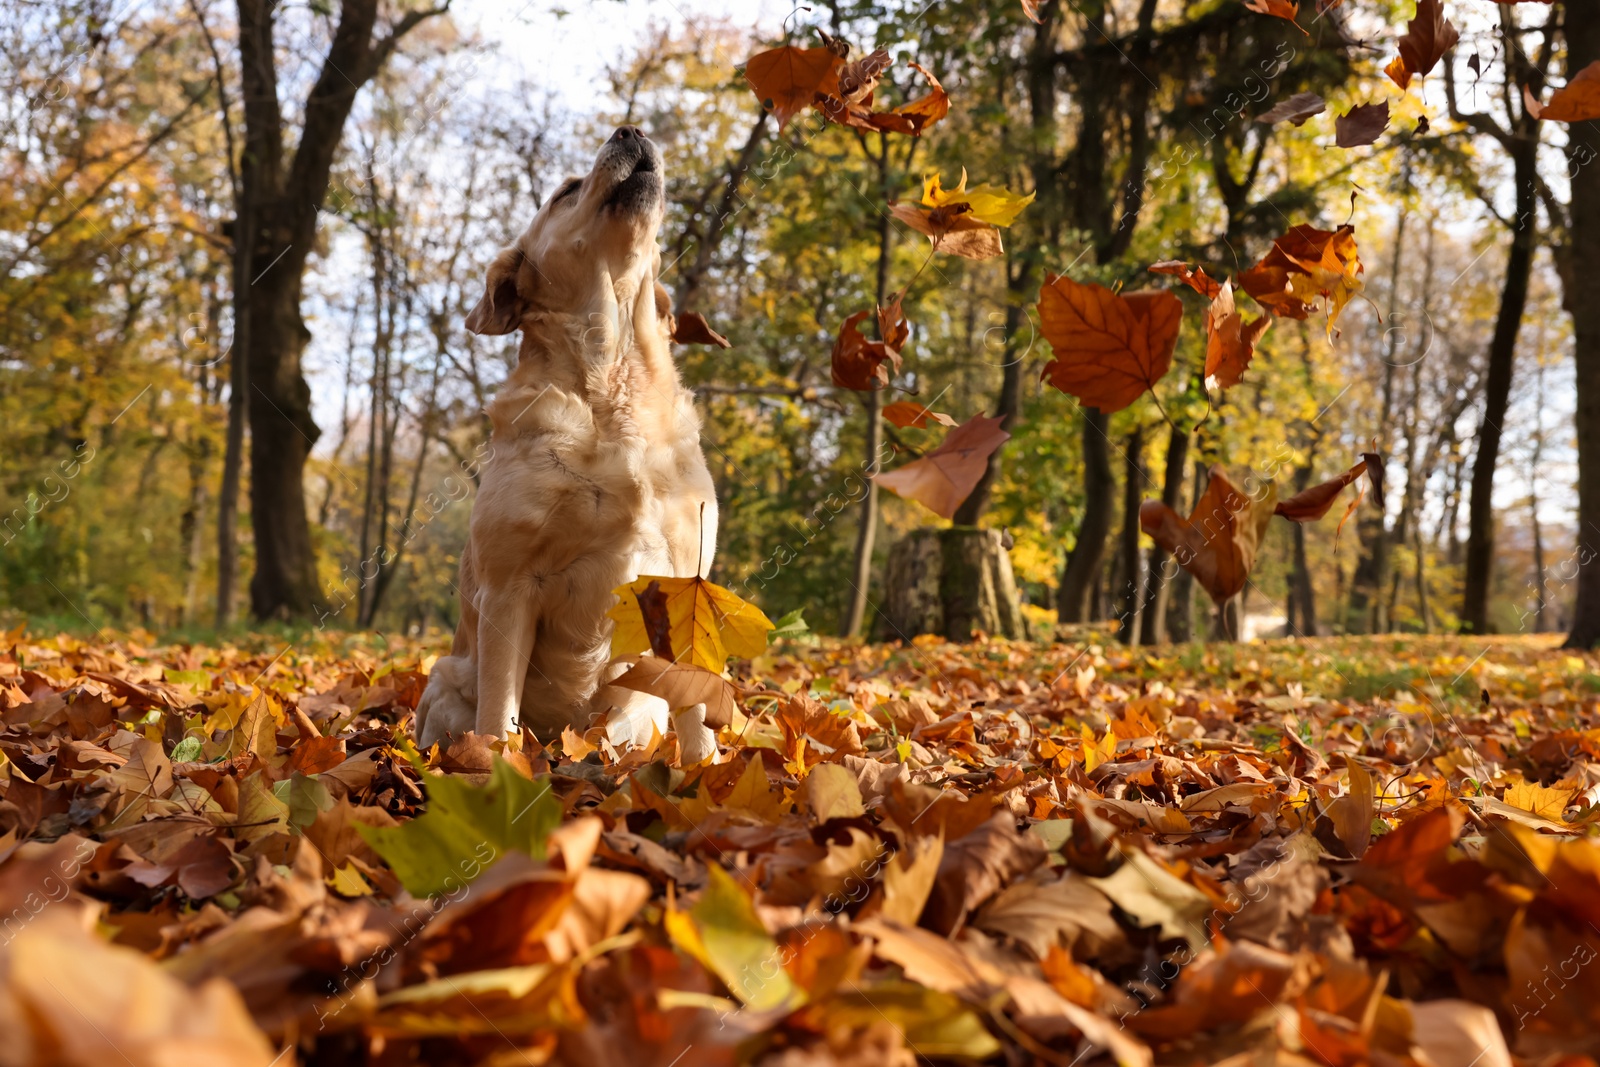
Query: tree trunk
point(1153, 624)
point(1128, 591)
point(1497, 394)
point(1083, 564)
point(867, 531)
point(1582, 282)
point(1302, 598)
point(953, 582)
point(285, 192)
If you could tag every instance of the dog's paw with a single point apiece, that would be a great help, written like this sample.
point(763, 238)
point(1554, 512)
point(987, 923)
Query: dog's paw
point(447, 708)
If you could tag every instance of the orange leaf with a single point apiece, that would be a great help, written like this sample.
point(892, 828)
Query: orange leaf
point(1109, 347)
point(908, 414)
point(1429, 35)
point(943, 478)
point(1218, 542)
point(911, 118)
point(1577, 101)
point(859, 363)
point(1305, 265)
point(1278, 9)
point(788, 79)
point(1230, 341)
point(1311, 504)
point(1398, 72)
point(1195, 278)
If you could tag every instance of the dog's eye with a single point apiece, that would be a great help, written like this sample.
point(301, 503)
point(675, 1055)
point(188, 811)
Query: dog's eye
point(566, 190)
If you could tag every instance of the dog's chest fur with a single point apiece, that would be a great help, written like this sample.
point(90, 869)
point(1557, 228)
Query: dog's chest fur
point(602, 467)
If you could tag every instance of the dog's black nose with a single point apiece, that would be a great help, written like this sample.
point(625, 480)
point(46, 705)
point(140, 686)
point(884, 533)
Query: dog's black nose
point(628, 133)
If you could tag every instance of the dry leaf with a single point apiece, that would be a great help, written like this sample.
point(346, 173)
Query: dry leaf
point(943, 478)
point(1219, 540)
point(1109, 347)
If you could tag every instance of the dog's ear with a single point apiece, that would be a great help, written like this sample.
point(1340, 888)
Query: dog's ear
point(664, 309)
point(500, 308)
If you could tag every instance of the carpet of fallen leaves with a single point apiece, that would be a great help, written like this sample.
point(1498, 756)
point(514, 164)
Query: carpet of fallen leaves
point(1338, 852)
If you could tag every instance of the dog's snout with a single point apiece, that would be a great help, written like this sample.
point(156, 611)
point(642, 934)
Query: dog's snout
point(628, 133)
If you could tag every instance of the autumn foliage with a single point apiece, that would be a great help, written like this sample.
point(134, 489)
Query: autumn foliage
point(227, 855)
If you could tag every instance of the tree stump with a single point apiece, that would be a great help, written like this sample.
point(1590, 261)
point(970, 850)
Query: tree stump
point(951, 582)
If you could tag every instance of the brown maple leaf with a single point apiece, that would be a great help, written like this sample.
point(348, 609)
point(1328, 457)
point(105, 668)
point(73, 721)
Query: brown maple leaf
point(787, 80)
point(1109, 347)
point(1577, 101)
point(945, 477)
point(1219, 540)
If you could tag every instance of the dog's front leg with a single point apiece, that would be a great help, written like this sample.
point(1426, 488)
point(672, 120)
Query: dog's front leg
point(505, 646)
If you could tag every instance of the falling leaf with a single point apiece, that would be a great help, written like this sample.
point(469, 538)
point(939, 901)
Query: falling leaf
point(787, 80)
point(1429, 35)
point(1577, 101)
point(691, 328)
point(1279, 9)
point(1298, 109)
point(1030, 8)
point(1219, 540)
point(911, 118)
point(861, 364)
point(953, 230)
point(1313, 503)
point(986, 203)
point(1362, 125)
point(943, 478)
point(908, 414)
point(1195, 278)
point(1307, 265)
point(1230, 341)
point(707, 623)
point(1109, 347)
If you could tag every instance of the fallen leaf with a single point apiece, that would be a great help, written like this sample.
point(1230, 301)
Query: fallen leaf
point(953, 230)
point(1429, 35)
point(1307, 265)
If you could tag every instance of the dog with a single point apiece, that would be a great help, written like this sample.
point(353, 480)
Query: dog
point(595, 473)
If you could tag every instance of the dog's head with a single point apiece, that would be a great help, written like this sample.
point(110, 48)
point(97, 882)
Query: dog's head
point(590, 252)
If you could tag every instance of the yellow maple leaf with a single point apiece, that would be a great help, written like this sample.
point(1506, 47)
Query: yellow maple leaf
point(704, 623)
point(988, 203)
point(1098, 752)
point(1543, 801)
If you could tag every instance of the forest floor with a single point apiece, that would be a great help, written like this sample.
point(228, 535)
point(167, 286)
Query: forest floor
point(1337, 851)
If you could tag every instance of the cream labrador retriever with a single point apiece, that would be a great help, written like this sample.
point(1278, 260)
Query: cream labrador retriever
point(595, 474)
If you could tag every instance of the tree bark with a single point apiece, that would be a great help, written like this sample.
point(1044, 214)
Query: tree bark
point(1153, 623)
point(1582, 283)
point(286, 193)
point(1129, 592)
point(952, 582)
point(1083, 564)
point(1302, 597)
point(1497, 394)
point(867, 531)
